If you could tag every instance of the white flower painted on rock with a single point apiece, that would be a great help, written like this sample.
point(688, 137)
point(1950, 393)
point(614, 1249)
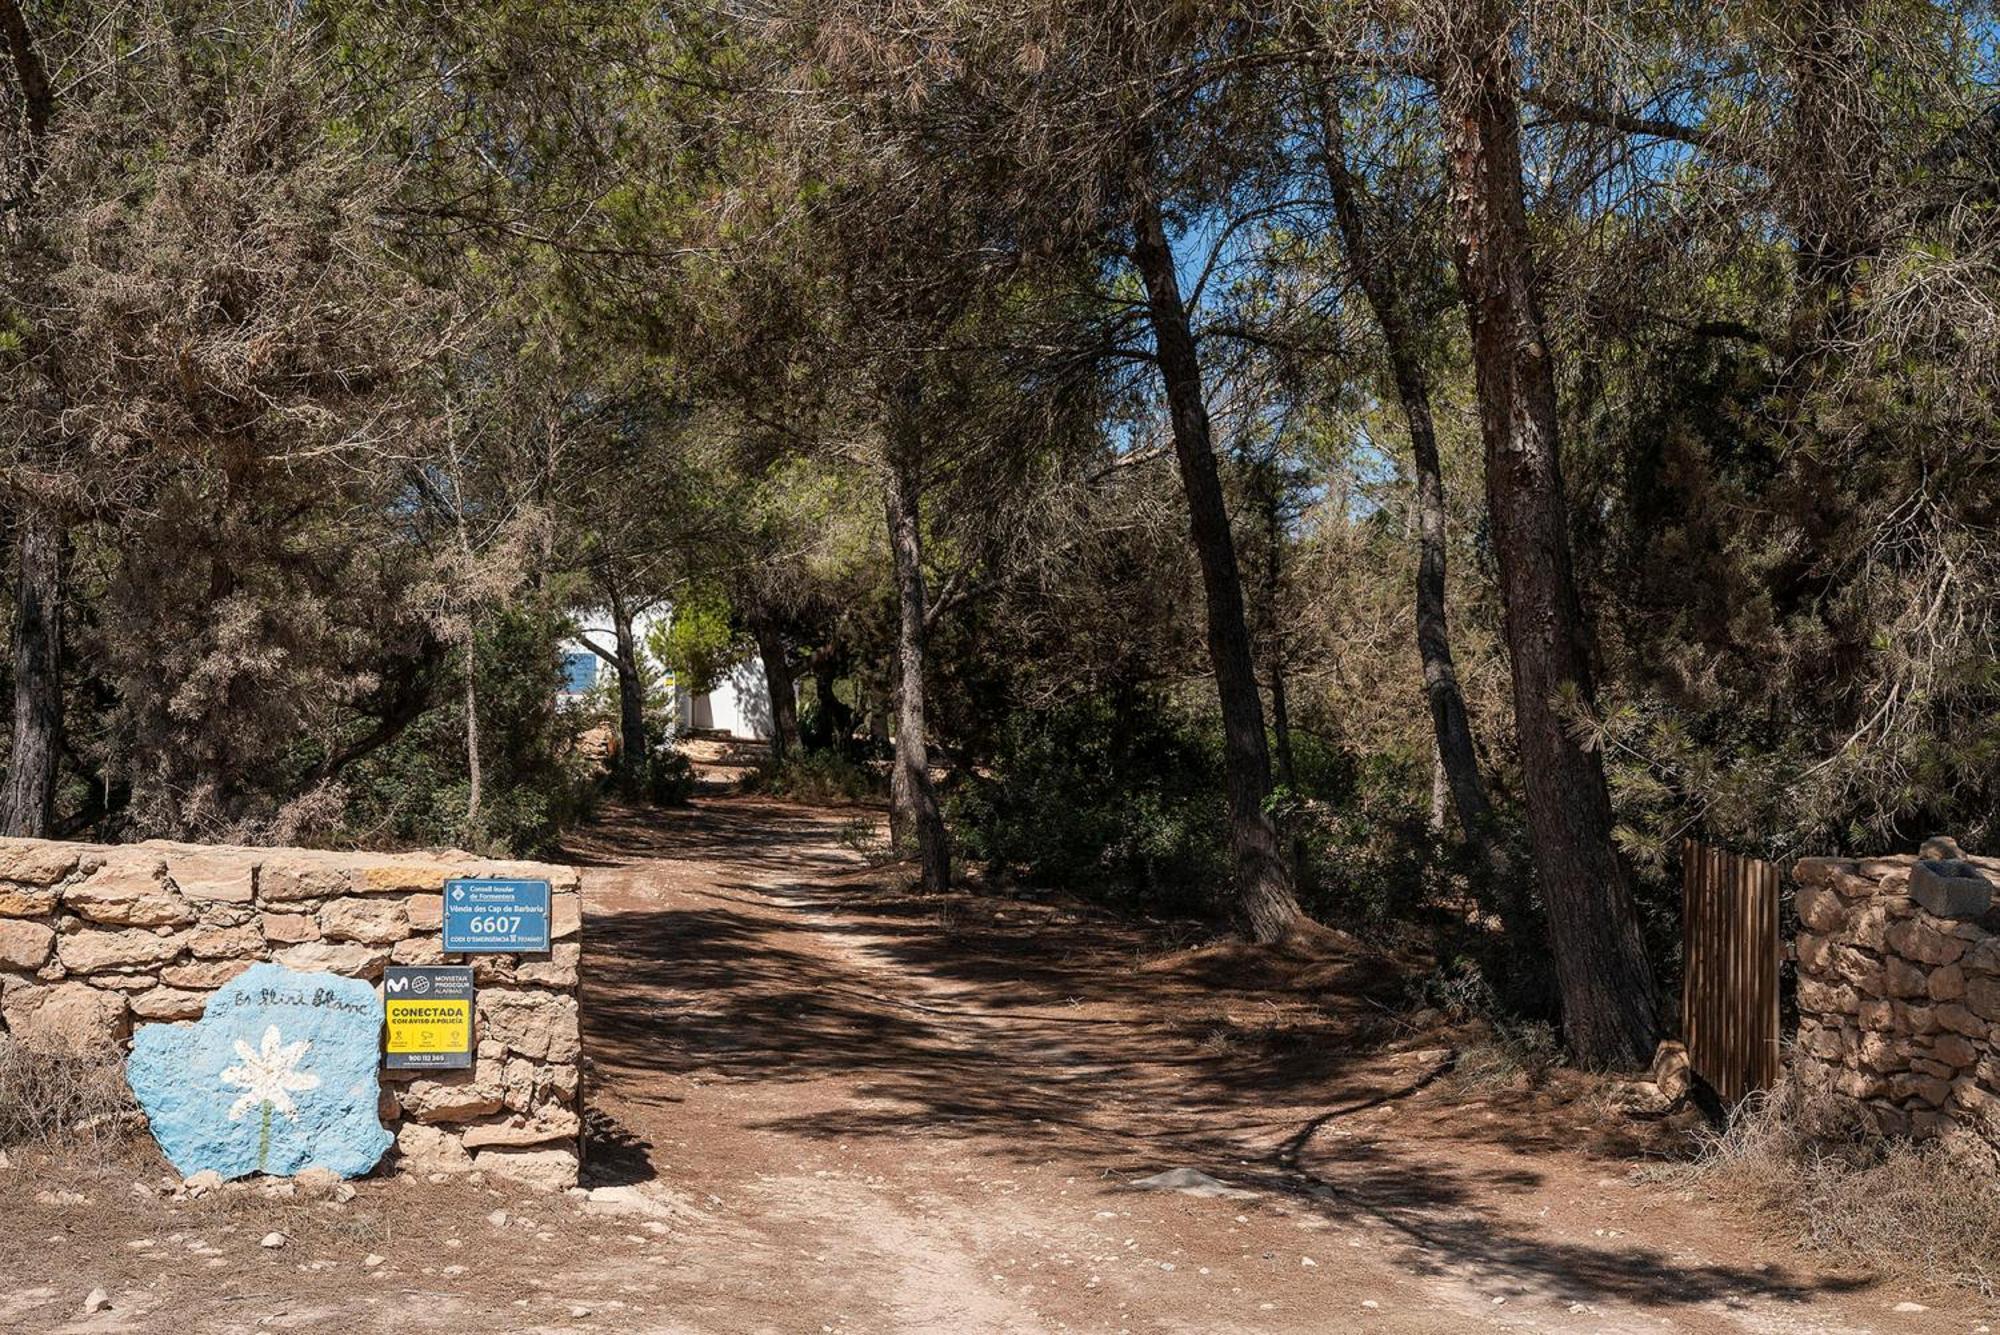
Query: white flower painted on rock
point(269, 1078)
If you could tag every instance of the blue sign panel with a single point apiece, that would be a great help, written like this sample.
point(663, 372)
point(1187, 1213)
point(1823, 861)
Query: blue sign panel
point(484, 917)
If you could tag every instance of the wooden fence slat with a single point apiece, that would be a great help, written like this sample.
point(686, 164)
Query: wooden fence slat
point(1730, 953)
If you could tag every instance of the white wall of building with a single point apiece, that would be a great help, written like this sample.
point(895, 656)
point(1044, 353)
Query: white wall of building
point(739, 705)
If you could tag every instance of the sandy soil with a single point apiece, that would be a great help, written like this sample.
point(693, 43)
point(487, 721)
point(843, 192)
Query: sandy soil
point(839, 1106)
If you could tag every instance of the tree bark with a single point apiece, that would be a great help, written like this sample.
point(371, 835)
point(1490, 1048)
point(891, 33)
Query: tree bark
point(778, 681)
point(27, 806)
point(1383, 288)
point(1610, 1006)
point(1263, 884)
point(631, 701)
point(914, 813)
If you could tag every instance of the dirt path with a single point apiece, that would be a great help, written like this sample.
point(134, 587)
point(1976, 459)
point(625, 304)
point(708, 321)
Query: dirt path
point(846, 1108)
point(898, 1114)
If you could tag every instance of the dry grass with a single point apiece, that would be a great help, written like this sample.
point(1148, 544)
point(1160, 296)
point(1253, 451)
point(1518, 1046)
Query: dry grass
point(1924, 1214)
point(1509, 1057)
point(57, 1101)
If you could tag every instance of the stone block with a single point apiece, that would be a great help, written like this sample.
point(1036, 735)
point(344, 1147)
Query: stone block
point(1821, 909)
point(216, 877)
point(1821, 998)
point(1959, 1020)
point(1869, 928)
point(203, 975)
point(1946, 983)
point(535, 1024)
point(1885, 1053)
point(405, 877)
point(168, 1003)
point(26, 901)
point(375, 922)
point(1913, 1019)
point(1879, 1016)
point(24, 944)
point(559, 969)
point(65, 1017)
point(426, 912)
point(1983, 955)
point(540, 1169)
point(1955, 1050)
point(1858, 968)
point(1900, 978)
point(427, 1149)
point(1926, 1089)
point(417, 950)
point(1859, 1084)
point(549, 1124)
point(454, 1096)
point(1818, 871)
point(346, 958)
point(129, 890)
point(1924, 941)
point(1940, 848)
point(1951, 888)
point(565, 916)
point(215, 943)
point(42, 861)
point(289, 929)
point(93, 949)
point(1982, 997)
point(287, 878)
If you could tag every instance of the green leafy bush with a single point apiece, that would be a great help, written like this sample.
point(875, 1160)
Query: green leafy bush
point(1115, 797)
point(817, 776)
point(670, 778)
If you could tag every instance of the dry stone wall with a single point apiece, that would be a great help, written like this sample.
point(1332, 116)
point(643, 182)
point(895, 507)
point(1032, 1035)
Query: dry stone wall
point(96, 940)
point(1899, 992)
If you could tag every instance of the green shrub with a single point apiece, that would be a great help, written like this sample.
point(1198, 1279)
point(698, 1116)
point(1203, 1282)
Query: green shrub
point(1118, 797)
point(670, 778)
point(816, 776)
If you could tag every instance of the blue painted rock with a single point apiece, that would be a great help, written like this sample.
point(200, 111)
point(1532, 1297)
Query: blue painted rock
point(278, 1075)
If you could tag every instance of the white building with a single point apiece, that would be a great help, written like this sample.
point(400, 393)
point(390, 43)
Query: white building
point(738, 706)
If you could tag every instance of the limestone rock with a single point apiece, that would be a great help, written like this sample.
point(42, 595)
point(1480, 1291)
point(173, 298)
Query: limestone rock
point(425, 1149)
point(1940, 847)
point(558, 970)
point(1959, 1020)
point(91, 950)
point(1982, 997)
point(290, 877)
point(24, 944)
point(26, 901)
point(1821, 909)
point(203, 975)
point(168, 1003)
point(1818, 871)
point(1946, 983)
point(1955, 1050)
point(417, 950)
point(279, 1075)
point(39, 861)
point(65, 1017)
point(534, 1024)
point(1951, 888)
point(215, 877)
point(218, 943)
point(375, 922)
point(565, 915)
point(454, 1096)
point(289, 929)
point(1904, 979)
point(544, 1169)
point(129, 890)
point(1919, 940)
point(348, 959)
point(426, 912)
point(406, 877)
point(550, 1124)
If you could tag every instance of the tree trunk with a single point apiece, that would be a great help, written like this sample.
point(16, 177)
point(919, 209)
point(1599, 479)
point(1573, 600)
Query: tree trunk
point(473, 779)
point(1263, 885)
point(834, 715)
point(784, 696)
point(1610, 1006)
point(914, 813)
point(1383, 288)
point(28, 806)
point(632, 746)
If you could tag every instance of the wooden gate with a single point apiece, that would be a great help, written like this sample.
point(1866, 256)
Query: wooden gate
point(1729, 984)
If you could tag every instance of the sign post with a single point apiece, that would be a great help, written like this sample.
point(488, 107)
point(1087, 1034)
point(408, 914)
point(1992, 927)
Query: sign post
point(484, 916)
point(429, 1017)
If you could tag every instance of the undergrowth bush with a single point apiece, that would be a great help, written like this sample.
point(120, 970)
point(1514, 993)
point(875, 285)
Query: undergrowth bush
point(52, 1099)
point(1115, 798)
point(670, 778)
point(1922, 1213)
point(816, 776)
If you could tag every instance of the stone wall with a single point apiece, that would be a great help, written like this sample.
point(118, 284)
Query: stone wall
point(1899, 992)
point(95, 940)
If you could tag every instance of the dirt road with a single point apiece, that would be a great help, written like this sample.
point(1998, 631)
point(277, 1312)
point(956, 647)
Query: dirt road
point(848, 1108)
point(899, 1114)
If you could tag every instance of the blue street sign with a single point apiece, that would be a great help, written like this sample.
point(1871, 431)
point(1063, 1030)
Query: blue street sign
point(484, 917)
